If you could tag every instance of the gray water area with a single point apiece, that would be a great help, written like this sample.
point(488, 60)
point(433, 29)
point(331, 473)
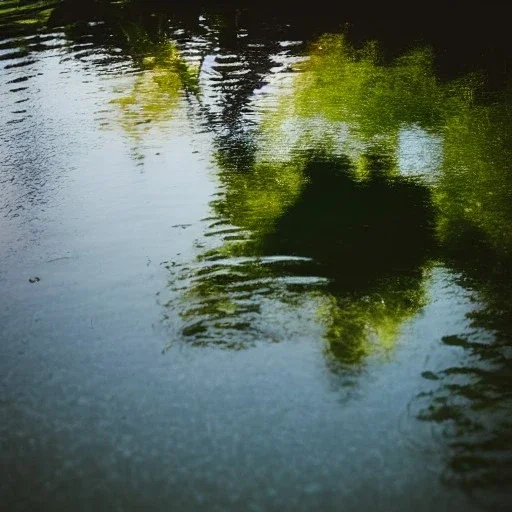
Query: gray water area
point(161, 349)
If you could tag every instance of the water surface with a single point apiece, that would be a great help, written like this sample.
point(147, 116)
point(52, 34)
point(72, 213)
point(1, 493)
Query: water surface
point(253, 259)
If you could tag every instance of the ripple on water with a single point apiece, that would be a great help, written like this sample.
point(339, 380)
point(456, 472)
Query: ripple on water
point(229, 301)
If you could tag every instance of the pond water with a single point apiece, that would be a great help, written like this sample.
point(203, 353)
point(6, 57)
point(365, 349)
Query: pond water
point(254, 258)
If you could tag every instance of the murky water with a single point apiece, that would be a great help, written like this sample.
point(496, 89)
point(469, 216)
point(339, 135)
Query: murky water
point(253, 259)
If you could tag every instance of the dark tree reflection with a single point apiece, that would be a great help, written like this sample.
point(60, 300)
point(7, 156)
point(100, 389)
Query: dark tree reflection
point(358, 250)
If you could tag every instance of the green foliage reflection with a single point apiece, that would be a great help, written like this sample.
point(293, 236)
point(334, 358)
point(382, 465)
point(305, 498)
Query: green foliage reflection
point(309, 231)
point(159, 88)
point(474, 189)
point(358, 102)
point(347, 202)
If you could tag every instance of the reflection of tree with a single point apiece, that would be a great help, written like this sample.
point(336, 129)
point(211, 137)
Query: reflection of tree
point(170, 45)
point(471, 190)
point(350, 86)
point(157, 91)
point(309, 230)
point(345, 214)
point(371, 239)
point(351, 102)
point(337, 212)
point(475, 187)
point(358, 103)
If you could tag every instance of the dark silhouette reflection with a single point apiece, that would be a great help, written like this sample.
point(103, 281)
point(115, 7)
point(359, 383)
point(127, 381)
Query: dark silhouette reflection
point(372, 239)
point(354, 251)
point(344, 224)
